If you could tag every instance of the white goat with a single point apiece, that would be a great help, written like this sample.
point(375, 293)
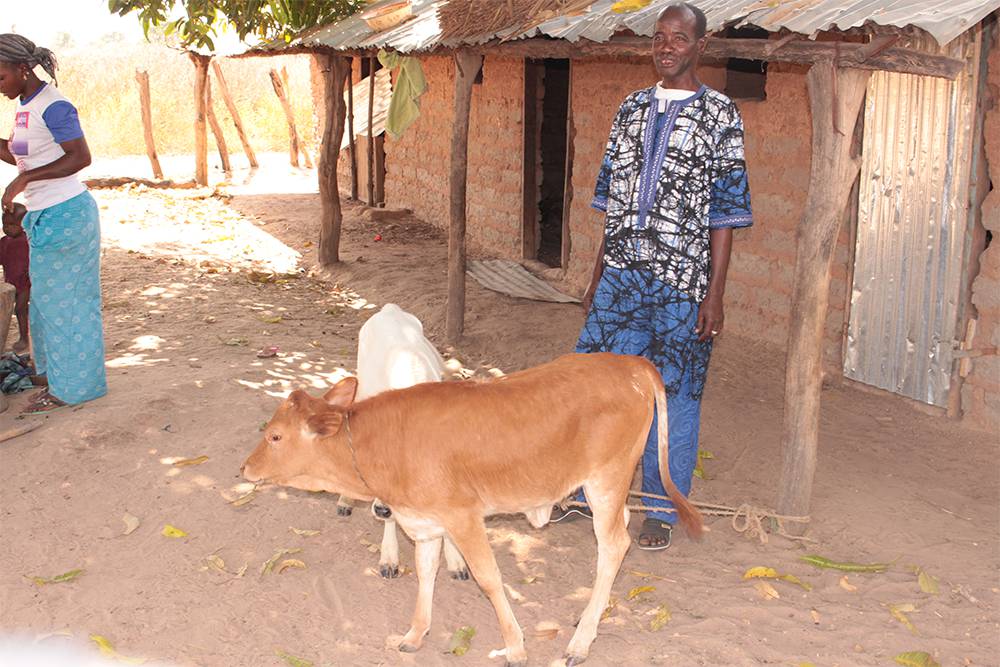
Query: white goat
point(394, 354)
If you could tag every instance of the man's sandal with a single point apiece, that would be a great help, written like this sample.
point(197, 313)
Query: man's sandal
point(43, 406)
point(569, 514)
point(654, 535)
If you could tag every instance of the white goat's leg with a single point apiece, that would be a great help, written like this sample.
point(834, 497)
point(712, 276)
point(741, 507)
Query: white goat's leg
point(456, 564)
point(388, 564)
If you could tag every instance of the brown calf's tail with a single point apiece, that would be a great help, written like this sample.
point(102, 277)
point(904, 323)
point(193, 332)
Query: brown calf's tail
point(689, 515)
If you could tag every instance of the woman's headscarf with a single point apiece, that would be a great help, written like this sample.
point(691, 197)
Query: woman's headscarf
point(18, 49)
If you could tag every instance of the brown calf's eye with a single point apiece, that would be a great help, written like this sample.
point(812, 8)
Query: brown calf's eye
point(274, 437)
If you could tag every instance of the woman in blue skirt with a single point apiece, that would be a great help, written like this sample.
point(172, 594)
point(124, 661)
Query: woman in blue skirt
point(64, 235)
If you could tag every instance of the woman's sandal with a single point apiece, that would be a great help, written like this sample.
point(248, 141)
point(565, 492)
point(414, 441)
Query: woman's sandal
point(37, 396)
point(654, 535)
point(43, 406)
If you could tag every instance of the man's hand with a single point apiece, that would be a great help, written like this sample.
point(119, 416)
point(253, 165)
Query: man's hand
point(710, 318)
point(15, 188)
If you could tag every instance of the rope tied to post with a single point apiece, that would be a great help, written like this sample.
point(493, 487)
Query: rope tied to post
point(747, 519)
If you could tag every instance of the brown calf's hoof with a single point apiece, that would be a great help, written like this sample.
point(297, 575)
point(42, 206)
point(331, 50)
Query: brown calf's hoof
point(572, 660)
point(460, 575)
point(343, 510)
point(408, 648)
point(519, 663)
point(389, 572)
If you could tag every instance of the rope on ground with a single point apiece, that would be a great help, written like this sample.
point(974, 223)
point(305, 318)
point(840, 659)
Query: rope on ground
point(747, 519)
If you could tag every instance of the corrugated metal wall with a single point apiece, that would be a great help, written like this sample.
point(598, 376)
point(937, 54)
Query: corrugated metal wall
point(912, 225)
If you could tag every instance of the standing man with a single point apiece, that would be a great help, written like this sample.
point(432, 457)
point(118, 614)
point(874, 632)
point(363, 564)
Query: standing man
point(673, 185)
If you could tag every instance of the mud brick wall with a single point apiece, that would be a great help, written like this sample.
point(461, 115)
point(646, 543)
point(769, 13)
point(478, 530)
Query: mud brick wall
point(981, 390)
point(417, 164)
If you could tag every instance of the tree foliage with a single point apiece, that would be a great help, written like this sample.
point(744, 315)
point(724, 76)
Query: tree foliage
point(198, 21)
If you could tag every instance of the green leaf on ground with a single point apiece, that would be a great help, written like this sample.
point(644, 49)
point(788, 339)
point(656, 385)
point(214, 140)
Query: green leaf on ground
point(106, 648)
point(899, 612)
point(916, 659)
point(190, 462)
point(293, 660)
point(269, 563)
point(928, 582)
point(172, 531)
point(58, 579)
point(461, 640)
point(660, 618)
point(820, 561)
point(303, 533)
point(639, 590)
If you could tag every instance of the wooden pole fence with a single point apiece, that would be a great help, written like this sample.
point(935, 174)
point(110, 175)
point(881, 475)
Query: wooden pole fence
point(350, 130)
point(142, 79)
point(295, 143)
point(200, 131)
point(371, 139)
point(234, 114)
point(213, 122)
point(302, 143)
point(335, 70)
point(467, 66)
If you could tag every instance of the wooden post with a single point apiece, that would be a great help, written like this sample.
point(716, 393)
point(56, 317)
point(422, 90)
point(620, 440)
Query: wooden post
point(200, 131)
point(235, 114)
point(350, 130)
point(567, 235)
point(467, 66)
point(380, 169)
point(294, 145)
point(213, 122)
point(371, 143)
point(142, 78)
point(302, 143)
point(834, 92)
point(335, 70)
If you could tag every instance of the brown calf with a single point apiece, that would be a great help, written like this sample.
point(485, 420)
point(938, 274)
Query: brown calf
point(444, 456)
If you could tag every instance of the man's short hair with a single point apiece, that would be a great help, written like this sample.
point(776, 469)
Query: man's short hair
point(700, 22)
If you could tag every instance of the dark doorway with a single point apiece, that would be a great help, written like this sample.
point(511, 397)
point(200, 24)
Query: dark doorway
point(746, 79)
point(546, 102)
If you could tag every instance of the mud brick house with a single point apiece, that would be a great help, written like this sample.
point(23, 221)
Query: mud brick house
point(872, 135)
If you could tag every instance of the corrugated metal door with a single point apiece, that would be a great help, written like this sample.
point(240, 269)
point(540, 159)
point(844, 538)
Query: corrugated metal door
point(913, 220)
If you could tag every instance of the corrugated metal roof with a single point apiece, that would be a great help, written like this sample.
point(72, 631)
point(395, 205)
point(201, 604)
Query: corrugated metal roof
point(943, 19)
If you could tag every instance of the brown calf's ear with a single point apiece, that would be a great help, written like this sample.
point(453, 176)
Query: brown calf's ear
point(298, 399)
point(342, 394)
point(325, 422)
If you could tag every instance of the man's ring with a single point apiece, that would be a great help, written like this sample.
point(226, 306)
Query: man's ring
point(715, 333)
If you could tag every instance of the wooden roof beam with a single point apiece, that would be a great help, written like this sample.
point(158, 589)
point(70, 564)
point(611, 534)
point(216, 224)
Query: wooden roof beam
point(879, 54)
point(876, 55)
point(773, 46)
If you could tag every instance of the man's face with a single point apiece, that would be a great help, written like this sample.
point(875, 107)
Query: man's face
point(676, 46)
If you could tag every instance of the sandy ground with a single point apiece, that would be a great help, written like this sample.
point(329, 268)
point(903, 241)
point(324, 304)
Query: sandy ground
point(190, 297)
